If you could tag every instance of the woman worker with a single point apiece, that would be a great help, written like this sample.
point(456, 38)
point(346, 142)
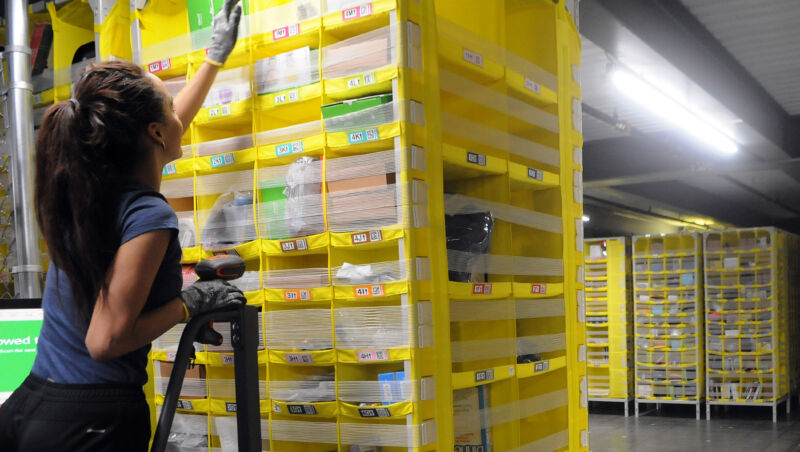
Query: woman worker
point(115, 280)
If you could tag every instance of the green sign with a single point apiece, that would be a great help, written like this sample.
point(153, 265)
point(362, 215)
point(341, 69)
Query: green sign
point(19, 334)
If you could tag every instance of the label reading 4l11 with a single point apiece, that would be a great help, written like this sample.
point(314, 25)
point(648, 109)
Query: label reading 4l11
point(222, 160)
point(362, 136)
point(376, 290)
point(357, 12)
point(360, 238)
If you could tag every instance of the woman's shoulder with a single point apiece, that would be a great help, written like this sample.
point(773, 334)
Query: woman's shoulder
point(143, 209)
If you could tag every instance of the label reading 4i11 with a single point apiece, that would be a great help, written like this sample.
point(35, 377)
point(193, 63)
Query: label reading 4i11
point(297, 295)
point(222, 160)
point(362, 136)
point(376, 290)
point(357, 12)
point(299, 358)
point(288, 148)
point(360, 238)
point(366, 356)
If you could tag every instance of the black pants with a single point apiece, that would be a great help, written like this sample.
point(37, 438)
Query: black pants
point(45, 416)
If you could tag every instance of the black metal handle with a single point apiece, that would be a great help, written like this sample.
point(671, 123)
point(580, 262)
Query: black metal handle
point(244, 338)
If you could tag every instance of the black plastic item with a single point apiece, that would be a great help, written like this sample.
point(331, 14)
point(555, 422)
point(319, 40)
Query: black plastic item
point(530, 358)
point(244, 338)
point(470, 233)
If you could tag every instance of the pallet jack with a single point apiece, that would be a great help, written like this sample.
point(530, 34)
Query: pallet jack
point(244, 339)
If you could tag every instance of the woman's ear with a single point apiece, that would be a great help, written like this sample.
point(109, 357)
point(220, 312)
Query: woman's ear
point(155, 131)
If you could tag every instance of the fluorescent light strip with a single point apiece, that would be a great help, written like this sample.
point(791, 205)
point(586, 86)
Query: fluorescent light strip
point(655, 100)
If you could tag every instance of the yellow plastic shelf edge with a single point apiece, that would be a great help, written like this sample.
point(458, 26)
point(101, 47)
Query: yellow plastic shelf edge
point(303, 357)
point(472, 378)
point(540, 367)
point(299, 246)
point(478, 291)
point(306, 409)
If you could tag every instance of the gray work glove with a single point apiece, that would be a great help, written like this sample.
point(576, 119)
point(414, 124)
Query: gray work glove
point(225, 32)
point(205, 296)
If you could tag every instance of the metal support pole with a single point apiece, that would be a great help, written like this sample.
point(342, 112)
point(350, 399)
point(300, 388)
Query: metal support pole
point(28, 271)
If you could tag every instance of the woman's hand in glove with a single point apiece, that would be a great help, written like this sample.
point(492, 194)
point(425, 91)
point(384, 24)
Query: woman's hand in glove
point(225, 32)
point(205, 296)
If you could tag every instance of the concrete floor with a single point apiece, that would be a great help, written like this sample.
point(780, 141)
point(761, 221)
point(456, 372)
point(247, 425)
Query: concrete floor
point(675, 429)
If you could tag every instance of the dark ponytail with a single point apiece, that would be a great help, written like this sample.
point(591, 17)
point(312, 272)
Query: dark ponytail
point(86, 151)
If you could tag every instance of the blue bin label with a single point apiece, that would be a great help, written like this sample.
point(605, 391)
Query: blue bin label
point(169, 169)
point(288, 148)
point(362, 136)
point(221, 160)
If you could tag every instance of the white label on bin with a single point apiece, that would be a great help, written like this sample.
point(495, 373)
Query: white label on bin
point(538, 289)
point(366, 356)
point(357, 12)
point(294, 245)
point(476, 159)
point(297, 295)
point(281, 99)
point(171, 356)
point(535, 174)
point(369, 79)
point(294, 95)
point(532, 86)
point(184, 405)
point(169, 169)
point(484, 375)
point(285, 32)
point(227, 359)
point(376, 290)
point(481, 289)
point(362, 136)
point(230, 407)
point(299, 358)
point(360, 238)
point(222, 160)
point(288, 148)
point(226, 110)
point(354, 82)
point(472, 57)
point(213, 112)
point(541, 366)
point(158, 66)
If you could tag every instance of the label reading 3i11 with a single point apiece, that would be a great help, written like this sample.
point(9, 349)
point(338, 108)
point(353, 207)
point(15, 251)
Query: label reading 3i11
point(299, 358)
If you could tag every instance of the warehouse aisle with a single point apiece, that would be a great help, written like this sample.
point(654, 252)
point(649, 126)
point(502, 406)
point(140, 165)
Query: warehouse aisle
point(675, 429)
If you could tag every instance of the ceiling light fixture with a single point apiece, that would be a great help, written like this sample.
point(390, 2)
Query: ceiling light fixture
point(673, 111)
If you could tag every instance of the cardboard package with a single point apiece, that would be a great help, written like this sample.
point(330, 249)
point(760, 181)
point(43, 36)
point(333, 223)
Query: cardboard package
point(359, 202)
point(342, 60)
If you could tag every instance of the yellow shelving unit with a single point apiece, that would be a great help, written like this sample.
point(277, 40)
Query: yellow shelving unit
point(379, 331)
point(668, 297)
point(609, 319)
point(750, 311)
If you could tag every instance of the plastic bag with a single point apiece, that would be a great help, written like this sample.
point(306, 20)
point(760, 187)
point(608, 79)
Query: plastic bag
point(302, 180)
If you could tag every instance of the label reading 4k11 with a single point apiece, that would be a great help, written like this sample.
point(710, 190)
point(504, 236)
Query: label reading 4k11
point(363, 136)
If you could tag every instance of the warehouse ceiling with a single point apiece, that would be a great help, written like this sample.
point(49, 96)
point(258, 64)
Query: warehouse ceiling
point(733, 60)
